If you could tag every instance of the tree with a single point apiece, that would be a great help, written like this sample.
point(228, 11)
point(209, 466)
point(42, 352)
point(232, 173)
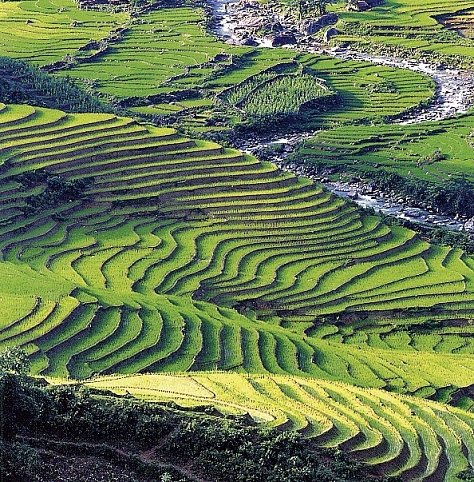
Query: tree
point(305, 8)
point(321, 5)
point(14, 361)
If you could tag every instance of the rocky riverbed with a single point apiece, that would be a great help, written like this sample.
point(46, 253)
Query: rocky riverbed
point(248, 22)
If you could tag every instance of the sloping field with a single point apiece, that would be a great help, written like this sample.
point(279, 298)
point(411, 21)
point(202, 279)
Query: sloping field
point(45, 31)
point(130, 254)
point(164, 63)
point(177, 254)
point(403, 436)
point(461, 22)
point(411, 24)
point(405, 149)
point(250, 235)
point(138, 250)
point(167, 55)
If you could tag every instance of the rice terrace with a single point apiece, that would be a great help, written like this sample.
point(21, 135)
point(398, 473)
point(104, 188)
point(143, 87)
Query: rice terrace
point(237, 240)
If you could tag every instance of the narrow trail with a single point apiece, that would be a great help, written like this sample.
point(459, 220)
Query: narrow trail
point(454, 95)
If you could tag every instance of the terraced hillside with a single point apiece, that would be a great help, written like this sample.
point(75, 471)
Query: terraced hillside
point(131, 254)
point(174, 254)
point(461, 22)
point(414, 25)
point(431, 151)
point(46, 31)
point(197, 73)
point(163, 65)
point(404, 436)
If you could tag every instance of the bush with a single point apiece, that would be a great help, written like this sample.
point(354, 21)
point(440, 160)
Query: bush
point(23, 83)
point(58, 190)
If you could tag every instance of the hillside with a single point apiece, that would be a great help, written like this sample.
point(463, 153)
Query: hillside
point(415, 26)
point(104, 437)
point(206, 258)
point(151, 269)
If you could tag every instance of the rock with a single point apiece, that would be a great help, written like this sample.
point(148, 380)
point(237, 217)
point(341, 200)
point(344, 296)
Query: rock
point(283, 39)
point(276, 27)
point(358, 6)
point(330, 33)
point(469, 225)
point(311, 26)
point(249, 41)
point(352, 195)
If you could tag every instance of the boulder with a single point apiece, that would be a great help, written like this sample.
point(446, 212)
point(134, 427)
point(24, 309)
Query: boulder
point(284, 39)
point(275, 27)
point(358, 6)
point(330, 33)
point(353, 195)
point(249, 41)
point(469, 225)
point(311, 25)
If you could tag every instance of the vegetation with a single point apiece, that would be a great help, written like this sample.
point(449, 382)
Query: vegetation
point(182, 255)
point(140, 265)
point(45, 32)
point(306, 8)
point(429, 162)
point(120, 438)
point(408, 28)
point(166, 56)
point(23, 83)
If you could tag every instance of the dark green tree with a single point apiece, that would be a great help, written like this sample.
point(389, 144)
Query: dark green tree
point(305, 8)
point(14, 361)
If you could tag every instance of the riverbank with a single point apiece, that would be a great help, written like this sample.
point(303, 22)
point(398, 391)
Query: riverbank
point(278, 150)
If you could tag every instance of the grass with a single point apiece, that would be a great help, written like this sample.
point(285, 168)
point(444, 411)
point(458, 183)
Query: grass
point(181, 255)
point(184, 227)
point(402, 149)
point(44, 32)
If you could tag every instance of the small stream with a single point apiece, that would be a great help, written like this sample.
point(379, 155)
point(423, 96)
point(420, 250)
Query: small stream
point(454, 95)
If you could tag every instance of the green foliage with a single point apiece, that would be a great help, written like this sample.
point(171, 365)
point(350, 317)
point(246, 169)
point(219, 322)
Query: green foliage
point(18, 462)
point(14, 360)
point(23, 83)
point(467, 475)
point(93, 423)
point(283, 96)
point(306, 8)
point(436, 156)
point(57, 190)
point(453, 197)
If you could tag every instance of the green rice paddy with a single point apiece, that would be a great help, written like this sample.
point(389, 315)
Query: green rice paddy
point(182, 255)
point(174, 254)
point(414, 26)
